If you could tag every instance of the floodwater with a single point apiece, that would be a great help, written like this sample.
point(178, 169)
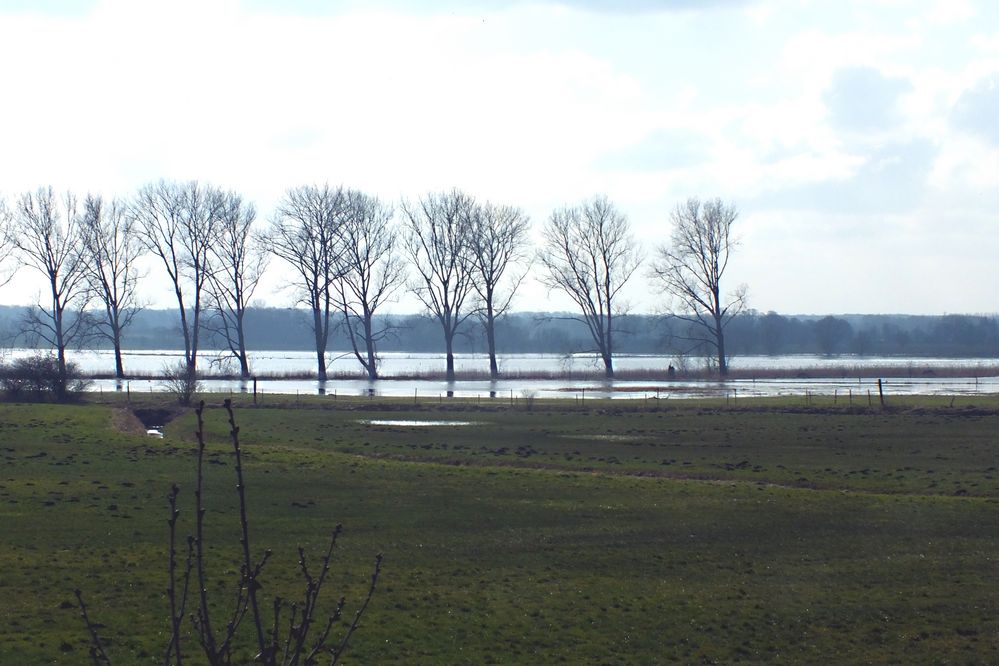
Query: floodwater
point(276, 363)
point(408, 423)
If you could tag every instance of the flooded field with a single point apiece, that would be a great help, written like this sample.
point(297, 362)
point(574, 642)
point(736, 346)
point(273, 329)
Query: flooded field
point(275, 370)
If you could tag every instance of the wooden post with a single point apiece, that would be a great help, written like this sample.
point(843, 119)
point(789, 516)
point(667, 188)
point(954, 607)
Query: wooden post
point(881, 393)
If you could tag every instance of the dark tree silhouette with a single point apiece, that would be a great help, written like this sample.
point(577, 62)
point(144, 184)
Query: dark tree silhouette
point(689, 270)
point(178, 223)
point(498, 243)
point(237, 263)
point(48, 239)
point(306, 234)
point(589, 254)
point(371, 271)
point(438, 243)
point(111, 249)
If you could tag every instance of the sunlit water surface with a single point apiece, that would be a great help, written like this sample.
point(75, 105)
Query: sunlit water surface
point(271, 365)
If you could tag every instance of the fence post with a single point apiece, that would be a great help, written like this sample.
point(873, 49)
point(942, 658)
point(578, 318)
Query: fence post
point(881, 393)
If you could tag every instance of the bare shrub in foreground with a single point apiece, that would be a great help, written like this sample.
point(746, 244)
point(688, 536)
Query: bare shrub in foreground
point(301, 636)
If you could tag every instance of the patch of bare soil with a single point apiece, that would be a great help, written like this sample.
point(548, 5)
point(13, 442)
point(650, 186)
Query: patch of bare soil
point(123, 420)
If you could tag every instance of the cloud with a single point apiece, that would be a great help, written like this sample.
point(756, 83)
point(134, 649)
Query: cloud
point(488, 6)
point(659, 151)
point(977, 109)
point(62, 7)
point(862, 99)
point(891, 179)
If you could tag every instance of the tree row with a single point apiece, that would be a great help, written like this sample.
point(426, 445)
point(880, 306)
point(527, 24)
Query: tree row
point(350, 253)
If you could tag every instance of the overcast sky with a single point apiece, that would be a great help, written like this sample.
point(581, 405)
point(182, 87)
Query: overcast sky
point(859, 140)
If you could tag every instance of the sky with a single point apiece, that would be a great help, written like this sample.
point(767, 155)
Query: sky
point(858, 139)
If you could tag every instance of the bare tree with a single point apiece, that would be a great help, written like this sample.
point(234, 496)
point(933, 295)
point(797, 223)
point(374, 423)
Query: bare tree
point(177, 223)
point(7, 247)
point(689, 270)
point(305, 233)
point(47, 237)
point(371, 272)
point(237, 262)
point(111, 250)
point(589, 254)
point(438, 244)
point(498, 242)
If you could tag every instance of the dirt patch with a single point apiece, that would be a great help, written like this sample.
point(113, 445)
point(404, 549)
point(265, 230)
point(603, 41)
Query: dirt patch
point(123, 420)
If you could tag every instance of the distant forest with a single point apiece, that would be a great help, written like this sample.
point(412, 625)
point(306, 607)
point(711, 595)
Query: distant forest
point(555, 333)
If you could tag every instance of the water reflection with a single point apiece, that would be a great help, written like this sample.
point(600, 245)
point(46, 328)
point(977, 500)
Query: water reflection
point(429, 390)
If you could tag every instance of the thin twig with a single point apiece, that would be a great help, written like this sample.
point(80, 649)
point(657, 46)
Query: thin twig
point(97, 653)
point(360, 611)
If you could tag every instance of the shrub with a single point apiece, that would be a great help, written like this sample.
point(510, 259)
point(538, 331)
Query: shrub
point(37, 377)
point(181, 381)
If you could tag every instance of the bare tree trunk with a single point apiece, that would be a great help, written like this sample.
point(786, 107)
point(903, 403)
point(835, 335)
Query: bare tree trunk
point(61, 352)
point(192, 364)
point(449, 341)
point(244, 360)
point(491, 339)
point(119, 367)
point(609, 344)
point(720, 343)
point(319, 330)
point(369, 342)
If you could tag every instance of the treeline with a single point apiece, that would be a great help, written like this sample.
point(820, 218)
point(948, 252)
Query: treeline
point(348, 253)
point(562, 333)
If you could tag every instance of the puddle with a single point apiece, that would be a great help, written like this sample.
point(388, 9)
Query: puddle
point(403, 423)
point(609, 438)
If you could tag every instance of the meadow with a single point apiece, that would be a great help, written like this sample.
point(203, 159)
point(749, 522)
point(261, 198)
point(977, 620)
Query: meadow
point(540, 532)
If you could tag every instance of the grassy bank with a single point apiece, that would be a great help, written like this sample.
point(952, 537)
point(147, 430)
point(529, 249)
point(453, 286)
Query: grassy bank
point(601, 533)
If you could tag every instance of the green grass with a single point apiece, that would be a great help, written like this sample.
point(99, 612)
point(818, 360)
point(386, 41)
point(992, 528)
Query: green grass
point(606, 533)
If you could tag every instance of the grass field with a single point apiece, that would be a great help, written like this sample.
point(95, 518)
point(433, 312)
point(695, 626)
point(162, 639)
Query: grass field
point(608, 533)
